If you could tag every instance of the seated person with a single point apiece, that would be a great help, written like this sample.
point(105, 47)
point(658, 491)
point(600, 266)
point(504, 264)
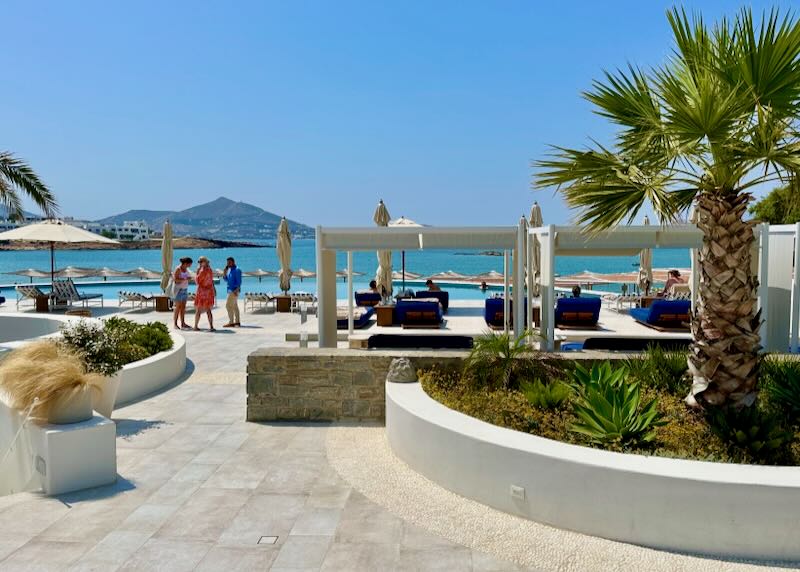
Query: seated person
point(674, 277)
point(373, 286)
point(432, 286)
point(576, 291)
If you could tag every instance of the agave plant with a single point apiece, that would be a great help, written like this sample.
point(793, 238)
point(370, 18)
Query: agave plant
point(750, 429)
point(545, 395)
point(609, 408)
point(704, 129)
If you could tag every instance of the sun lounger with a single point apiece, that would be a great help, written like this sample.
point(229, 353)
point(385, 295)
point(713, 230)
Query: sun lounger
point(361, 317)
point(616, 301)
point(27, 294)
point(367, 298)
point(494, 311)
point(257, 300)
point(65, 294)
point(300, 299)
point(580, 313)
point(419, 313)
point(680, 292)
point(665, 315)
point(135, 298)
point(441, 295)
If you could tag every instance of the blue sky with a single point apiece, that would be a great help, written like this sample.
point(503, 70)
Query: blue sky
point(313, 110)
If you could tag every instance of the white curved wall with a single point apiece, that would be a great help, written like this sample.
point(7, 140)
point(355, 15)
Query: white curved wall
point(14, 327)
point(707, 508)
point(146, 376)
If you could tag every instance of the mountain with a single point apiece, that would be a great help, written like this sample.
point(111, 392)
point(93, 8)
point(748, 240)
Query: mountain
point(221, 218)
point(26, 214)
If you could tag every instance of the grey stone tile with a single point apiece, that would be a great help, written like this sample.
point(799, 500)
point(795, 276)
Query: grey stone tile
point(148, 518)
point(482, 562)
point(303, 552)
point(357, 557)
point(232, 559)
point(195, 472)
point(329, 496)
point(167, 555)
point(144, 434)
point(381, 528)
point(242, 470)
point(263, 515)
point(88, 521)
point(416, 537)
point(31, 517)
point(215, 455)
point(317, 521)
point(445, 559)
point(295, 476)
point(44, 555)
point(111, 552)
point(204, 515)
point(157, 467)
point(9, 543)
point(173, 492)
point(191, 439)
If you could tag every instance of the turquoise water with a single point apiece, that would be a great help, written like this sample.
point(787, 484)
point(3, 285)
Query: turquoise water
point(304, 256)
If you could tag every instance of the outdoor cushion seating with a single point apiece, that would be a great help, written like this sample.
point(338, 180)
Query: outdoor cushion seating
point(493, 311)
point(367, 298)
point(361, 317)
point(419, 313)
point(582, 312)
point(664, 314)
point(27, 293)
point(2, 299)
point(441, 295)
point(65, 293)
point(427, 341)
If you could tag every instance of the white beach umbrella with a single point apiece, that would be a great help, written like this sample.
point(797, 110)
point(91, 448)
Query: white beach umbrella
point(405, 275)
point(535, 269)
point(30, 273)
point(645, 265)
point(144, 273)
point(166, 255)
point(53, 231)
point(403, 222)
point(491, 276)
point(75, 272)
point(259, 273)
point(107, 272)
point(383, 276)
point(343, 274)
point(285, 255)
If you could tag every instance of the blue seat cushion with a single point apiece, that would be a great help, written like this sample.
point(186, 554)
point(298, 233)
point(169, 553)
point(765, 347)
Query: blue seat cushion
point(359, 320)
point(578, 311)
point(367, 298)
point(441, 295)
point(409, 312)
point(664, 313)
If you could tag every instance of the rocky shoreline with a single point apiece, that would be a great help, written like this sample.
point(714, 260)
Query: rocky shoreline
point(178, 243)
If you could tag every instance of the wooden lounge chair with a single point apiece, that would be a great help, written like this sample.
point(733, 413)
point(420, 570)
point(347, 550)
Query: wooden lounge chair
point(577, 313)
point(65, 294)
point(26, 293)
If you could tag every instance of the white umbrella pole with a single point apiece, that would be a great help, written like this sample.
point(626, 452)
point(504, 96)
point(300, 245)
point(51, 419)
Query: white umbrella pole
point(350, 293)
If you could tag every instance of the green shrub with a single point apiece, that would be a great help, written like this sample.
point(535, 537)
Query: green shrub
point(503, 361)
point(100, 351)
point(609, 408)
point(660, 368)
point(780, 380)
point(545, 396)
point(751, 430)
point(153, 337)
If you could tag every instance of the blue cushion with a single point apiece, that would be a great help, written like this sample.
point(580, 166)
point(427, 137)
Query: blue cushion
point(664, 313)
point(408, 312)
point(578, 311)
point(2, 299)
point(441, 295)
point(367, 298)
point(640, 314)
point(358, 321)
point(493, 310)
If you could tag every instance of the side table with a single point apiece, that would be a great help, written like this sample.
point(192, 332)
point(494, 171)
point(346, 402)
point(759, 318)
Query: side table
point(385, 314)
point(162, 303)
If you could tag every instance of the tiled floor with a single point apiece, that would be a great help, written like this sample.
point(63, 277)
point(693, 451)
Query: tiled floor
point(199, 487)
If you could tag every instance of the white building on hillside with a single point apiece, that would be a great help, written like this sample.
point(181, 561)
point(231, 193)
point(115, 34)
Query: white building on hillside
point(128, 230)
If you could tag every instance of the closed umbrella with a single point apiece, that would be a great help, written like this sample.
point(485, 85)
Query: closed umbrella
point(535, 269)
point(284, 256)
point(383, 276)
point(31, 273)
point(166, 255)
point(404, 222)
point(53, 231)
point(646, 266)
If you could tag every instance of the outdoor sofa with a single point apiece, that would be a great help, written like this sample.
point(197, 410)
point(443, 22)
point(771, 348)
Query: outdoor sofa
point(441, 295)
point(419, 313)
point(665, 315)
point(581, 312)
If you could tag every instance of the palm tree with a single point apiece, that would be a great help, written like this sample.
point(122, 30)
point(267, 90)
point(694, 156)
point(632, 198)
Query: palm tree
point(717, 119)
point(16, 176)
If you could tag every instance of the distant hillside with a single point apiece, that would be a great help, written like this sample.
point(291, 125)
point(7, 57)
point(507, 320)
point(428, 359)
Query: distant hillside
point(221, 218)
point(4, 213)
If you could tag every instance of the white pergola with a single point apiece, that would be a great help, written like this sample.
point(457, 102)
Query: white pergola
point(629, 241)
point(509, 239)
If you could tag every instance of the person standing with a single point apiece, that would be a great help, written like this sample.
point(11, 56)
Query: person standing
point(233, 276)
point(181, 277)
point(205, 295)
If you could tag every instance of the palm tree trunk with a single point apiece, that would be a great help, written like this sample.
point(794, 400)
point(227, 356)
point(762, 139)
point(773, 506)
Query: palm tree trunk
point(724, 359)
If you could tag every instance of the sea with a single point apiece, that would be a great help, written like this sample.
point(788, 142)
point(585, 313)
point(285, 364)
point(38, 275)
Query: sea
point(424, 262)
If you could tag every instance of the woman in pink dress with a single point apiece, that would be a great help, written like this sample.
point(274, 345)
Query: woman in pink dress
point(204, 297)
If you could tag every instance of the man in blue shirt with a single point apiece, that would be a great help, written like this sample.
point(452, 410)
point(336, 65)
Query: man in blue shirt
point(233, 276)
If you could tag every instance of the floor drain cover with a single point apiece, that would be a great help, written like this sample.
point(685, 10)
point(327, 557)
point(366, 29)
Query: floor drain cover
point(268, 540)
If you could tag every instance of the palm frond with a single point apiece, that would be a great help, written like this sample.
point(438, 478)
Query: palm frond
point(20, 176)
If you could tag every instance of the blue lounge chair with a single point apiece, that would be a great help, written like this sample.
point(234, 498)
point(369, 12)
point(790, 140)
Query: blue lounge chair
point(367, 298)
point(577, 312)
point(441, 295)
point(361, 318)
point(493, 312)
point(665, 315)
point(419, 313)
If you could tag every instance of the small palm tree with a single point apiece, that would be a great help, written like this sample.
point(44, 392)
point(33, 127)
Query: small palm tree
point(17, 177)
point(717, 119)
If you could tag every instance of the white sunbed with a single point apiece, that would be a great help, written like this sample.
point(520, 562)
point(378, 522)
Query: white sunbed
point(65, 294)
point(26, 293)
point(135, 299)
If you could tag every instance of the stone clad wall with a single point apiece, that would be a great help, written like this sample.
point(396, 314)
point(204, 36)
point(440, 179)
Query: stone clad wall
point(326, 384)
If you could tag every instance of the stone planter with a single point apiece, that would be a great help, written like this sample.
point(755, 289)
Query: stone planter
point(104, 399)
point(72, 407)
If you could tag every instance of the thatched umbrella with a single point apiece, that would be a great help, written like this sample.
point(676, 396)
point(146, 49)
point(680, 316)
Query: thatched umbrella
point(107, 273)
point(166, 255)
point(303, 273)
point(30, 273)
point(143, 273)
point(75, 272)
point(383, 276)
point(284, 248)
point(259, 273)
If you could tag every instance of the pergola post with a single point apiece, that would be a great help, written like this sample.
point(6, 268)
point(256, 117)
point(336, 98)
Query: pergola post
point(519, 280)
point(326, 293)
point(506, 301)
point(530, 277)
point(795, 313)
point(349, 293)
point(548, 246)
point(762, 246)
